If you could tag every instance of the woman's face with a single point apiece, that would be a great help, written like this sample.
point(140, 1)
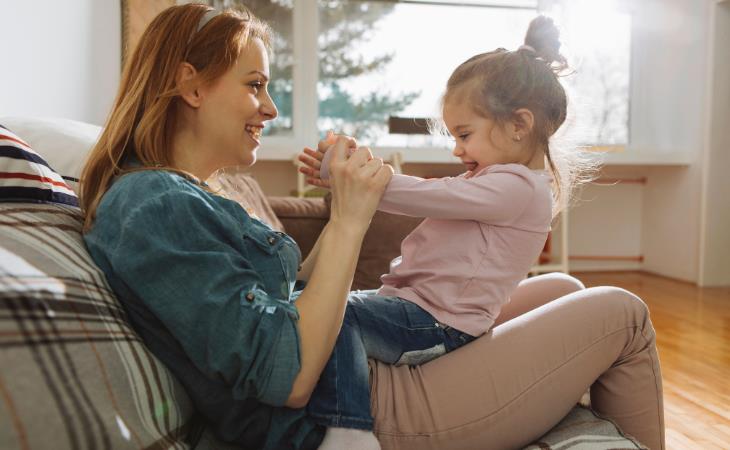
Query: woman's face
point(236, 107)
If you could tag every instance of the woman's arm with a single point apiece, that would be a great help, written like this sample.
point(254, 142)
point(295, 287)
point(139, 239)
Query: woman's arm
point(357, 185)
point(305, 271)
point(322, 305)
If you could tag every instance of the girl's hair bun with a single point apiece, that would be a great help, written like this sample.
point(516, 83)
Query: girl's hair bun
point(544, 37)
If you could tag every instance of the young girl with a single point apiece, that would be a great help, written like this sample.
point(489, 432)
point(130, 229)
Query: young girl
point(483, 229)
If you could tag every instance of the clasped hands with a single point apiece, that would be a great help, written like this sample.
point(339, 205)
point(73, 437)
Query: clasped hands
point(318, 169)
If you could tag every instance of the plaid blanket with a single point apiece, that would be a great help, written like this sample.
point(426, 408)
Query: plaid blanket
point(584, 429)
point(75, 375)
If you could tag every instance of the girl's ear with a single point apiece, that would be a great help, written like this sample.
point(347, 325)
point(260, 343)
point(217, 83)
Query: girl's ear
point(188, 84)
point(521, 124)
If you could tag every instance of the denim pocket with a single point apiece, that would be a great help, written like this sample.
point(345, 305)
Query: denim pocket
point(418, 318)
point(454, 338)
point(281, 276)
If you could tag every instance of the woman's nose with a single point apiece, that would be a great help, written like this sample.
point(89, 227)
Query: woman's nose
point(268, 108)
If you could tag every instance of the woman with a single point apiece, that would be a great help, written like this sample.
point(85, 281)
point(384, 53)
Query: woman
point(211, 289)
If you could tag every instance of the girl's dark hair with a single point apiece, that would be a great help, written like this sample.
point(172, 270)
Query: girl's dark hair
point(500, 82)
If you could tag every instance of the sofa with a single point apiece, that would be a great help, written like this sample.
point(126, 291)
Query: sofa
point(74, 373)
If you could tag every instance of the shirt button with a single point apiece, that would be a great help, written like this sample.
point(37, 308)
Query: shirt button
point(250, 296)
point(272, 239)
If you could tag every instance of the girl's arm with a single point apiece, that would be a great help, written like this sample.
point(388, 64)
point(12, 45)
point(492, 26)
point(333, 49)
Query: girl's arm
point(497, 196)
point(493, 197)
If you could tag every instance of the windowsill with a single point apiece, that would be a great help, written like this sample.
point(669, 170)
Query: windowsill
point(646, 158)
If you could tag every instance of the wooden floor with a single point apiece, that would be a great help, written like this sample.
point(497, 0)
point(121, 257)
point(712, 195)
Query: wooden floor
point(693, 338)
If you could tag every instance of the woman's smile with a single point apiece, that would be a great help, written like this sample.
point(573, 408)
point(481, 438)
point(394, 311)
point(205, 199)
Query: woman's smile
point(254, 132)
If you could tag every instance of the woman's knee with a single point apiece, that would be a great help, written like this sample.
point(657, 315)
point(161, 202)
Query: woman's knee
point(548, 286)
point(564, 281)
point(618, 302)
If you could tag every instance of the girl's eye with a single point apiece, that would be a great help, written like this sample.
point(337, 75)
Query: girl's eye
point(464, 136)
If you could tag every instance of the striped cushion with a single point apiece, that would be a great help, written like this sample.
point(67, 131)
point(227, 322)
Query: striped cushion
point(26, 177)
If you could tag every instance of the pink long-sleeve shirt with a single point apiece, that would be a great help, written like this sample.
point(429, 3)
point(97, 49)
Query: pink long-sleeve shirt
point(481, 235)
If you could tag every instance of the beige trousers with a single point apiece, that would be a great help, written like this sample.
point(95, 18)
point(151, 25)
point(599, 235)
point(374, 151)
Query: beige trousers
point(554, 340)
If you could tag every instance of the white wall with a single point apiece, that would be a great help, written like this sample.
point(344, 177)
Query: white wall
point(676, 49)
point(60, 58)
point(605, 221)
point(714, 264)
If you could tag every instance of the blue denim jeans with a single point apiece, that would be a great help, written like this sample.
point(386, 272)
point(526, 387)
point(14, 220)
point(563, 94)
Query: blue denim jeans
point(389, 329)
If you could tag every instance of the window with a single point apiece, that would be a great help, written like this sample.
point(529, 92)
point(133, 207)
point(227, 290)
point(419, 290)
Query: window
point(598, 46)
point(380, 59)
point(363, 62)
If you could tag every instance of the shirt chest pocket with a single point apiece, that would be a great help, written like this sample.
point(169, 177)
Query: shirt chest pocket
point(276, 258)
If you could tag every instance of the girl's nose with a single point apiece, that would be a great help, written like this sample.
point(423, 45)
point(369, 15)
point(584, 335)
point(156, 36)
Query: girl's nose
point(457, 151)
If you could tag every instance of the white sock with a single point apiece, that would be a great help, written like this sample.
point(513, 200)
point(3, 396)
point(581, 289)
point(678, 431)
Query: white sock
point(350, 439)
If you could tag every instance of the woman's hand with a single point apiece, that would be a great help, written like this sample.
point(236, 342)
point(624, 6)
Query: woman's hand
point(357, 182)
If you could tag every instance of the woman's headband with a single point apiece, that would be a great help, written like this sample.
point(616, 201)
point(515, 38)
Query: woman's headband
point(206, 18)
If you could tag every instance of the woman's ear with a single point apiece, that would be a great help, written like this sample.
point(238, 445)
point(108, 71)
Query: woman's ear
point(188, 84)
point(521, 124)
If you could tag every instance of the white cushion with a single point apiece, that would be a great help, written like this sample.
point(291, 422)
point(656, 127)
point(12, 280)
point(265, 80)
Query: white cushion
point(63, 143)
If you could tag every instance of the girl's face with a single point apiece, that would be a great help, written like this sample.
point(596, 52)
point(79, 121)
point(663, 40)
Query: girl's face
point(479, 142)
point(236, 107)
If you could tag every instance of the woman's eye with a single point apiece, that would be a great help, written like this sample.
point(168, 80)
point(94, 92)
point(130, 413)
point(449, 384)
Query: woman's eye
point(256, 85)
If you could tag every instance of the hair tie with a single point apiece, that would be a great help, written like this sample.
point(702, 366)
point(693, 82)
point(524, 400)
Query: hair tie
point(528, 48)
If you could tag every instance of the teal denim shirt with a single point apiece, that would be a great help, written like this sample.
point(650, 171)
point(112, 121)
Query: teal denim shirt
point(210, 290)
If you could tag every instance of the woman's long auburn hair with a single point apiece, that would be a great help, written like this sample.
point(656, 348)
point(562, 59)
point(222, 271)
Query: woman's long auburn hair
point(143, 118)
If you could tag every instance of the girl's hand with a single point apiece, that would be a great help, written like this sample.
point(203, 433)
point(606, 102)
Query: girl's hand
point(312, 160)
point(357, 183)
